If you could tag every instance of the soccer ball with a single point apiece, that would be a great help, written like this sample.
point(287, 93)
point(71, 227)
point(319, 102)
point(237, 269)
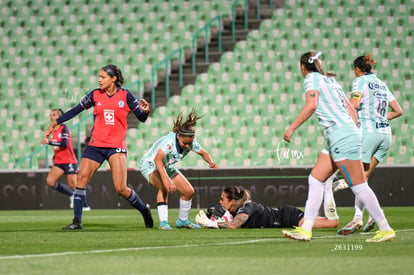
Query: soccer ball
point(227, 217)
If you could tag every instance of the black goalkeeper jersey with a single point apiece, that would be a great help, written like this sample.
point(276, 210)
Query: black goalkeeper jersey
point(261, 216)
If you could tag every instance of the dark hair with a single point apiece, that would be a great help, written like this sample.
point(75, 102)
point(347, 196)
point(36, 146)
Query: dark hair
point(312, 63)
point(113, 70)
point(60, 111)
point(240, 195)
point(186, 128)
point(364, 63)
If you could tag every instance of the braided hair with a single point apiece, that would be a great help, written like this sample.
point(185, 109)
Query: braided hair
point(312, 63)
point(186, 128)
point(113, 70)
point(240, 195)
point(364, 63)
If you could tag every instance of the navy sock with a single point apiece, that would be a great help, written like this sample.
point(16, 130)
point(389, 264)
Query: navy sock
point(79, 198)
point(63, 189)
point(136, 201)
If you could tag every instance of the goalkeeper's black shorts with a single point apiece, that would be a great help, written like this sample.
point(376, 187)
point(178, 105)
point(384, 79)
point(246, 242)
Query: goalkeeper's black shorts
point(289, 216)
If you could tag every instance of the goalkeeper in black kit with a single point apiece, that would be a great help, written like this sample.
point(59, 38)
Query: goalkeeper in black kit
point(250, 214)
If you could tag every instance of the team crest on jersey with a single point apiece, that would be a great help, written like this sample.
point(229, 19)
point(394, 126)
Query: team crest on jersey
point(109, 116)
point(59, 135)
point(121, 104)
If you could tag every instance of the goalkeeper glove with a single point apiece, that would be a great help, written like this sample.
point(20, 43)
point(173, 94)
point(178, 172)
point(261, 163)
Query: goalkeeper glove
point(204, 221)
point(217, 211)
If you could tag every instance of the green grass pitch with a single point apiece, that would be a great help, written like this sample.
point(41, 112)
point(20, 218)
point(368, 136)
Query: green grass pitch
point(116, 242)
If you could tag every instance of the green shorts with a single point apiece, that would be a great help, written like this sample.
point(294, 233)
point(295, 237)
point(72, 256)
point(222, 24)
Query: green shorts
point(375, 145)
point(148, 166)
point(344, 142)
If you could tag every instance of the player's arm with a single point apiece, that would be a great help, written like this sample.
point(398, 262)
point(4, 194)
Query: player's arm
point(351, 110)
point(395, 111)
point(85, 103)
point(139, 108)
point(206, 156)
point(65, 138)
point(237, 221)
point(306, 112)
point(168, 183)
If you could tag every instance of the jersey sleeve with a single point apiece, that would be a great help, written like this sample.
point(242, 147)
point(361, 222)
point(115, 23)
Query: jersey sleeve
point(133, 104)
point(390, 96)
point(196, 147)
point(311, 82)
point(356, 90)
point(87, 101)
point(65, 138)
point(246, 209)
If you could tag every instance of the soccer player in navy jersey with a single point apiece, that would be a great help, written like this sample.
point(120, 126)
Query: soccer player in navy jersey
point(111, 103)
point(250, 214)
point(64, 159)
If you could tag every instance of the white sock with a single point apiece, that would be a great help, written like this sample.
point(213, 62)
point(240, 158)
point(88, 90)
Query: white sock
point(185, 207)
point(329, 205)
point(368, 198)
point(163, 212)
point(313, 203)
point(359, 209)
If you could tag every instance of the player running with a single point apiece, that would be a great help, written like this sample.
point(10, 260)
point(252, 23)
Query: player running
point(64, 159)
point(157, 166)
point(111, 103)
point(250, 214)
point(337, 117)
point(372, 98)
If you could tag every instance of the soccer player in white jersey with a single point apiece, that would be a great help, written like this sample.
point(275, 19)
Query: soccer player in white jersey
point(337, 117)
point(157, 166)
point(375, 105)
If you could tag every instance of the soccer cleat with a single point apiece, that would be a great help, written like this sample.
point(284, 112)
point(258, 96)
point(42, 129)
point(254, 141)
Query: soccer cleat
point(86, 207)
point(146, 213)
point(186, 224)
point(382, 236)
point(75, 225)
point(298, 234)
point(350, 228)
point(339, 184)
point(370, 225)
point(164, 226)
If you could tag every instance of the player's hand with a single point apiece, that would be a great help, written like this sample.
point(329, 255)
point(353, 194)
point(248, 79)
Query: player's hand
point(144, 105)
point(201, 218)
point(44, 141)
point(288, 134)
point(213, 165)
point(171, 186)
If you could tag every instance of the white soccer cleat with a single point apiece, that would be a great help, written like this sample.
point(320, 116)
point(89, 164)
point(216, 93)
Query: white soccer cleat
point(339, 184)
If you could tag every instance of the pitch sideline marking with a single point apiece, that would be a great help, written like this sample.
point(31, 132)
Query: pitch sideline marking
point(157, 247)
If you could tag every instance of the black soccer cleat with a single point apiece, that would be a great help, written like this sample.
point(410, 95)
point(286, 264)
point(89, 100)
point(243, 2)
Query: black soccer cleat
point(75, 225)
point(146, 213)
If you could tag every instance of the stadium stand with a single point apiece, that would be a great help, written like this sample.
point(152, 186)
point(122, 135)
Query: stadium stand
point(52, 50)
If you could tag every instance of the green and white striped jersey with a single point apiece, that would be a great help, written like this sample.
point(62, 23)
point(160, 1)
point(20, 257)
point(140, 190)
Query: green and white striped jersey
point(331, 110)
point(168, 143)
point(373, 108)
